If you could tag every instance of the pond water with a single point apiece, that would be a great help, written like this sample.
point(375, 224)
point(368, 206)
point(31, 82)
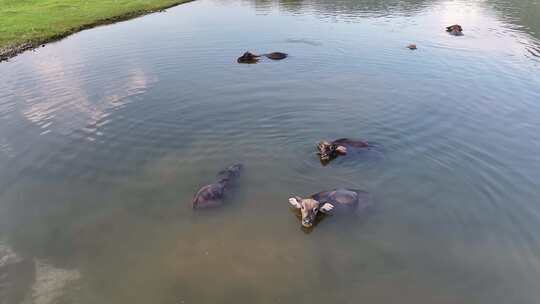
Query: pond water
point(105, 137)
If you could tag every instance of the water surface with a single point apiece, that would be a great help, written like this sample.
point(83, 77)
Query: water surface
point(106, 135)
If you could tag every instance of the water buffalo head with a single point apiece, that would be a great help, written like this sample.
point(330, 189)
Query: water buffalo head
point(327, 150)
point(309, 208)
point(455, 29)
point(248, 57)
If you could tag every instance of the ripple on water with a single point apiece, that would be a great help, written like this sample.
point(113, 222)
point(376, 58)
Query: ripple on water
point(137, 123)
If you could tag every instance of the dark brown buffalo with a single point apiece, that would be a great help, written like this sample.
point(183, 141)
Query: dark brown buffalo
point(330, 150)
point(249, 57)
point(455, 30)
point(212, 195)
point(337, 201)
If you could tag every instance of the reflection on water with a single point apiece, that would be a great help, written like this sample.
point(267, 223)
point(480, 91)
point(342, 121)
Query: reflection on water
point(345, 9)
point(51, 284)
point(522, 16)
point(105, 137)
point(25, 280)
point(57, 95)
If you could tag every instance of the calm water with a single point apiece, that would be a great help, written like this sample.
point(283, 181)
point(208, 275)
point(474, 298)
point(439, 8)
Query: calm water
point(106, 135)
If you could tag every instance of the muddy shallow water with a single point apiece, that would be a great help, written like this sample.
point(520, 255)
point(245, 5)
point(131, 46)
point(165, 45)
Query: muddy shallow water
point(106, 135)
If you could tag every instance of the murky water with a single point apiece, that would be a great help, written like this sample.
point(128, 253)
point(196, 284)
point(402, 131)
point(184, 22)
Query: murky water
point(106, 135)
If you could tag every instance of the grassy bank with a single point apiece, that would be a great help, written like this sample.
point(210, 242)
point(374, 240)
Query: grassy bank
point(25, 24)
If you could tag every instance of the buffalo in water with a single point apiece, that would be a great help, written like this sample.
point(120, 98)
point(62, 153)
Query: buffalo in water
point(328, 151)
point(248, 57)
point(212, 195)
point(337, 201)
point(455, 30)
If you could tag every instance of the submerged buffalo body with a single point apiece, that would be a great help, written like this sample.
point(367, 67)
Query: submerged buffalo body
point(337, 201)
point(276, 55)
point(249, 57)
point(330, 150)
point(212, 195)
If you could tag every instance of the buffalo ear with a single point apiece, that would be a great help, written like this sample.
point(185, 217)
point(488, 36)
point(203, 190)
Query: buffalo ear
point(295, 202)
point(326, 208)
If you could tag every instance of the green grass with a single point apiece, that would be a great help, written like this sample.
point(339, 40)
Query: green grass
point(38, 21)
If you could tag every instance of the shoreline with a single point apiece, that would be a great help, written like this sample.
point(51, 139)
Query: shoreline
point(13, 50)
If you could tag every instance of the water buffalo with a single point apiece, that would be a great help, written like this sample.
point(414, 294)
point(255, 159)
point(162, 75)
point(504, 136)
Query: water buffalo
point(330, 150)
point(455, 30)
point(212, 195)
point(248, 57)
point(337, 201)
